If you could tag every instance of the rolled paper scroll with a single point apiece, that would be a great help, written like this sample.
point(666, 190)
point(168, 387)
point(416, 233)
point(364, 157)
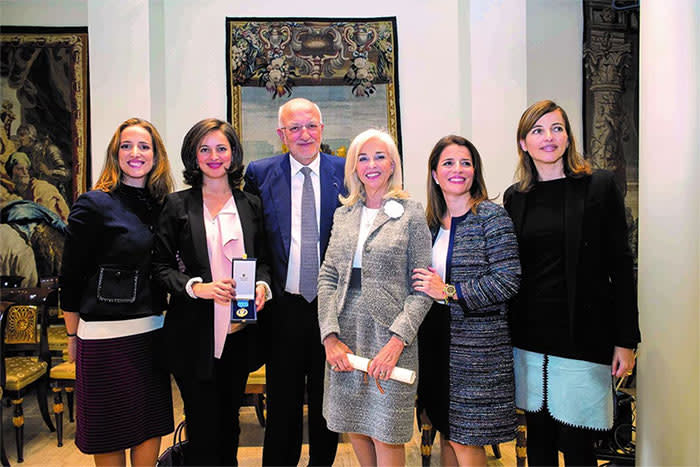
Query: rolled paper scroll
point(403, 375)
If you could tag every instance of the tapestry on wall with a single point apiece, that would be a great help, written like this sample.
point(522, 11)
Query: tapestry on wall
point(44, 145)
point(611, 98)
point(347, 66)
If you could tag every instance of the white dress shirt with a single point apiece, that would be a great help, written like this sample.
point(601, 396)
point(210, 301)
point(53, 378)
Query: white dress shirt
point(294, 265)
point(440, 247)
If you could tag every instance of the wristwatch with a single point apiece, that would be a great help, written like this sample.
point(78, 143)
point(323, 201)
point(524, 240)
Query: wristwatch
point(450, 292)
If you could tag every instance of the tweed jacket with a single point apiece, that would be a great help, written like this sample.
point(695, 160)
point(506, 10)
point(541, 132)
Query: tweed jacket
point(394, 247)
point(483, 261)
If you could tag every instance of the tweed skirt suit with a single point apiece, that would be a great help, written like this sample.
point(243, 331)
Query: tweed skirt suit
point(366, 317)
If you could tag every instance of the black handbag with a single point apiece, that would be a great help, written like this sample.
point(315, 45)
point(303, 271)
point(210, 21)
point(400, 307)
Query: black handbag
point(175, 454)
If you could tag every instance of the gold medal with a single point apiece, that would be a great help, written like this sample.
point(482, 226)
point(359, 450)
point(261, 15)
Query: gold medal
point(242, 312)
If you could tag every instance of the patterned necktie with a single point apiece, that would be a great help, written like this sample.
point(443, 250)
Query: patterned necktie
point(308, 276)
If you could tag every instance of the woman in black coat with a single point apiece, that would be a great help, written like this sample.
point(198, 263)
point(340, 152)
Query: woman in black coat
point(200, 231)
point(574, 323)
point(113, 311)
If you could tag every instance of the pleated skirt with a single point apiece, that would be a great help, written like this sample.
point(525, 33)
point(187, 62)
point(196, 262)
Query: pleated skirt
point(123, 398)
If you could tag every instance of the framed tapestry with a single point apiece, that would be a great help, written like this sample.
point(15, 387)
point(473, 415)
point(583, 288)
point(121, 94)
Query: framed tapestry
point(44, 144)
point(349, 67)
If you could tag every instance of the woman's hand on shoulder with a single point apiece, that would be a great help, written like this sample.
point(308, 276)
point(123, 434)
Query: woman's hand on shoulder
point(222, 292)
point(429, 282)
point(336, 353)
point(622, 362)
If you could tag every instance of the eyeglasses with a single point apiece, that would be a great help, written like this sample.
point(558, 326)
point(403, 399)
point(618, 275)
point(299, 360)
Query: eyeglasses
point(296, 129)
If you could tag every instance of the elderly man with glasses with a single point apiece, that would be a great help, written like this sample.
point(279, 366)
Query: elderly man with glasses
point(299, 191)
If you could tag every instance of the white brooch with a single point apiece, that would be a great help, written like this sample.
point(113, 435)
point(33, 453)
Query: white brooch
point(393, 209)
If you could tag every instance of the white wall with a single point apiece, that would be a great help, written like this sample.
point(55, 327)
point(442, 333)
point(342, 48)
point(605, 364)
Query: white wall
point(669, 235)
point(462, 66)
point(120, 69)
point(551, 47)
point(498, 66)
point(429, 76)
point(43, 12)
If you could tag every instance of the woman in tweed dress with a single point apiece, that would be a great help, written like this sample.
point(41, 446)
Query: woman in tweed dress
point(366, 305)
point(466, 379)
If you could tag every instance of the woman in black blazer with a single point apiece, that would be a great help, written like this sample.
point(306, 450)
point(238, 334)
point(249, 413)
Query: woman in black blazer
point(200, 231)
point(575, 321)
point(113, 311)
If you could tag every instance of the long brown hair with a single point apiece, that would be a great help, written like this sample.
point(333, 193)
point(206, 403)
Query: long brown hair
point(158, 183)
point(575, 165)
point(437, 208)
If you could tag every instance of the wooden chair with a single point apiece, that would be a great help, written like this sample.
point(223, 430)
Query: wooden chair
point(3, 456)
point(62, 379)
point(255, 394)
point(26, 356)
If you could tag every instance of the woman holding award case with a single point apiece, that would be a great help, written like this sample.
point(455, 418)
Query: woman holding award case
point(466, 382)
point(200, 232)
point(366, 305)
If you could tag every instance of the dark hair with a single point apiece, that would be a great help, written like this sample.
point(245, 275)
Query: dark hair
point(526, 174)
point(159, 182)
point(190, 145)
point(436, 201)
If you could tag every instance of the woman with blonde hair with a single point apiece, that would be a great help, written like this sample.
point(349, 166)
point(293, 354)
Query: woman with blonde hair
point(575, 321)
point(366, 305)
point(113, 311)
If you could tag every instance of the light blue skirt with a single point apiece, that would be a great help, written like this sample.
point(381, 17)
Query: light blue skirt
point(579, 393)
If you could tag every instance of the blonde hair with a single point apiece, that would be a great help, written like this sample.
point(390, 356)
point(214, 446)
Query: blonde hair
point(526, 175)
point(159, 182)
point(356, 190)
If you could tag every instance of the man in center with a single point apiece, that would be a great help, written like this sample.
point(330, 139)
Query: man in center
point(299, 191)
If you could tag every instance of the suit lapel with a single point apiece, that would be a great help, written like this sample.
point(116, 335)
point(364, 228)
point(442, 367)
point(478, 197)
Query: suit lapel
point(349, 227)
point(381, 219)
point(518, 203)
point(245, 215)
point(330, 188)
point(195, 213)
point(281, 192)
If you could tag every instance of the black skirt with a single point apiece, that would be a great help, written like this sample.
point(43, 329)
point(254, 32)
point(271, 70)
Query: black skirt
point(123, 399)
point(434, 367)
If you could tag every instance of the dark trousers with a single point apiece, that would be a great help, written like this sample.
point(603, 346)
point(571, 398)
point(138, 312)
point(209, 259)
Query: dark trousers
point(296, 361)
point(546, 437)
point(211, 406)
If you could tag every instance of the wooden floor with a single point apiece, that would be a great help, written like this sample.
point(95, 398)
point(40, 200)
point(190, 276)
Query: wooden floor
point(40, 445)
